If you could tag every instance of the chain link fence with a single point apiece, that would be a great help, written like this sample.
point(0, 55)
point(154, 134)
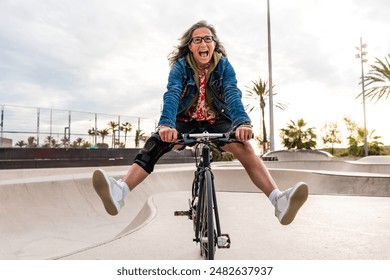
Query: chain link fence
point(42, 127)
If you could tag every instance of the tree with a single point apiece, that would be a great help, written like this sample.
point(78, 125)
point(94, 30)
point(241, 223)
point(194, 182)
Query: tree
point(356, 140)
point(332, 134)
point(296, 136)
point(31, 142)
point(126, 127)
point(86, 144)
point(103, 133)
point(378, 79)
point(65, 141)
point(139, 136)
point(21, 144)
point(258, 96)
point(93, 132)
point(78, 142)
point(50, 142)
point(112, 126)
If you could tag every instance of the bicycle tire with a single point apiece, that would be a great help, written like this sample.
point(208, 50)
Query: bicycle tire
point(207, 231)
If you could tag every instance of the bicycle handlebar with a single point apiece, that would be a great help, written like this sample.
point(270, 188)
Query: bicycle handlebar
point(192, 138)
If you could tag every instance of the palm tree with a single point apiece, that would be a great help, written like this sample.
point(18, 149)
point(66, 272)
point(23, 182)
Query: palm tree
point(65, 142)
point(112, 126)
point(139, 136)
point(126, 127)
point(93, 132)
point(258, 96)
point(103, 133)
point(356, 140)
point(31, 142)
point(21, 144)
point(50, 142)
point(295, 136)
point(78, 142)
point(378, 79)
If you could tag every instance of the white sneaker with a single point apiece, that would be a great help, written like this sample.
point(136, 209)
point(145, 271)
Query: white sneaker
point(111, 192)
point(290, 201)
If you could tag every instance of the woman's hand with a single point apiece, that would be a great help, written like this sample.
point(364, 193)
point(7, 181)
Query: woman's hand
point(167, 134)
point(244, 133)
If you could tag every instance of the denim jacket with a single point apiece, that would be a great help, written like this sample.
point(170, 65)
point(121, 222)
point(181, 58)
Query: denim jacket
point(221, 88)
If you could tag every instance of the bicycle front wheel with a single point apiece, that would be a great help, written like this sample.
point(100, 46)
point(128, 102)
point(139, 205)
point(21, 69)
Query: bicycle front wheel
point(207, 232)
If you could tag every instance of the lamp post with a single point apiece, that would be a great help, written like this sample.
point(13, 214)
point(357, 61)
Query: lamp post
point(271, 103)
point(1, 126)
point(361, 55)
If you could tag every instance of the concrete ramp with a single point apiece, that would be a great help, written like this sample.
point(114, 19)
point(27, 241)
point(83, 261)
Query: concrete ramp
point(328, 228)
point(55, 213)
point(45, 216)
point(375, 160)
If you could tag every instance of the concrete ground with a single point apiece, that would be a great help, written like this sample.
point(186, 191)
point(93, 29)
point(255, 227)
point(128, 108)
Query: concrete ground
point(55, 214)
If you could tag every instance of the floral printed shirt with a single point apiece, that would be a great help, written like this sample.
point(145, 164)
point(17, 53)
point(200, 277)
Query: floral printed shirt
point(202, 110)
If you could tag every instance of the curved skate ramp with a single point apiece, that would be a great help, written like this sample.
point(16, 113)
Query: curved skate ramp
point(55, 213)
point(48, 216)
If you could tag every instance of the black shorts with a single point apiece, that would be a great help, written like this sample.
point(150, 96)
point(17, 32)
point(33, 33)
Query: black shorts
point(221, 125)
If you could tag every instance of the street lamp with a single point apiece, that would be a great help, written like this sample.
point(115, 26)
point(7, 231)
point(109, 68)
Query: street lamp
point(361, 55)
point(271, 103)
point(1, 126)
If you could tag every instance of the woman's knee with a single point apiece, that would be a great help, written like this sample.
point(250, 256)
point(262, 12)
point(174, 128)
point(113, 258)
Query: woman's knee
point(153, 149)
point(238, 149)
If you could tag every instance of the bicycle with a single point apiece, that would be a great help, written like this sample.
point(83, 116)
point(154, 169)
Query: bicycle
point(203, 208)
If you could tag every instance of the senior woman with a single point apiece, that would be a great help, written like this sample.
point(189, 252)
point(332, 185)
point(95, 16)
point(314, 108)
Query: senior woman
point(202, 95)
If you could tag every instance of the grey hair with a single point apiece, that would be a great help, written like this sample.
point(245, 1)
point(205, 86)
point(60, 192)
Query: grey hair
point(182, 49)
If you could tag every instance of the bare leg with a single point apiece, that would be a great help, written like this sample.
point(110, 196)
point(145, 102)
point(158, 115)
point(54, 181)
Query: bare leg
point(286, 203)
point(135, 175)
point(255, 168)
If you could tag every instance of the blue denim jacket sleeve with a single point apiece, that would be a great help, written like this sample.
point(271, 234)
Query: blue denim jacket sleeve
point(172, 96)
point(232, 95)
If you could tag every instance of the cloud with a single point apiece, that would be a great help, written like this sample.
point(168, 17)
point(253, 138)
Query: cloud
point(111, 56)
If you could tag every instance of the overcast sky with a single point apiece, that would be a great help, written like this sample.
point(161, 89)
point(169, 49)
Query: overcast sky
point(111, 56)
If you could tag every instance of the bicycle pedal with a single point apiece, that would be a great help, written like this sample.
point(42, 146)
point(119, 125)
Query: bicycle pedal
point(223, 241)
point(182, 213)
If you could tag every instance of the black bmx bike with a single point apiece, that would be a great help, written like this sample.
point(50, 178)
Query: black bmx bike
point(203, 208)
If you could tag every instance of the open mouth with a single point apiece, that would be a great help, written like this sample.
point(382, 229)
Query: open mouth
point(204, 53)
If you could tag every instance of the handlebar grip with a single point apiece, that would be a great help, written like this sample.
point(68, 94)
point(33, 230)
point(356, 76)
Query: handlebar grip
point(232, 135)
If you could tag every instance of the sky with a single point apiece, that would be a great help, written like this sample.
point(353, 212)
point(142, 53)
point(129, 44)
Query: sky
point(111, 56)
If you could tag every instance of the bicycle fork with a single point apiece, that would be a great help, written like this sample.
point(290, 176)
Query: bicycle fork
point(222, 239)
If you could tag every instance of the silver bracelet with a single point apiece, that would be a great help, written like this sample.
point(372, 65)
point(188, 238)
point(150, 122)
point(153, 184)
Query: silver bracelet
point(246, 125)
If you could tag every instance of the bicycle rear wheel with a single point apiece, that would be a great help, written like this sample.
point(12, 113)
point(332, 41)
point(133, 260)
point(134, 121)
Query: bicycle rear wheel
point(206, 227)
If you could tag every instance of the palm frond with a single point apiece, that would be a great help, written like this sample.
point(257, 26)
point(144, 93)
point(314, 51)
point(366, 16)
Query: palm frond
point(378, 80)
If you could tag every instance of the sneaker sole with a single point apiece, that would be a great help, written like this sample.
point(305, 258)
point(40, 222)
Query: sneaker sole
point(297, 198)
point(103, 190)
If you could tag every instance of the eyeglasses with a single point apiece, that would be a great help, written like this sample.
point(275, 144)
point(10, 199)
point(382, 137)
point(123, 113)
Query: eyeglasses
point(206, 39)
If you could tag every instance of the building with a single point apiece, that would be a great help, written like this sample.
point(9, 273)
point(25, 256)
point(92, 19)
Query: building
point(5, 142)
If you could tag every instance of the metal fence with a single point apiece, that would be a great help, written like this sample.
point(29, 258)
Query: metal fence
point(43, 127)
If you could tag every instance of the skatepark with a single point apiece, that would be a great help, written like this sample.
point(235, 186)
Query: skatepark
point(54, 213)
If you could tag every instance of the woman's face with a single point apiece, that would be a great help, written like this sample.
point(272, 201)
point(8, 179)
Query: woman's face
point(203, 50)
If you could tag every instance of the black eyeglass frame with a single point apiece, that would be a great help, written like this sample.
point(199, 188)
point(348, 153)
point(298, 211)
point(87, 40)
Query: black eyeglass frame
point(207, 39)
